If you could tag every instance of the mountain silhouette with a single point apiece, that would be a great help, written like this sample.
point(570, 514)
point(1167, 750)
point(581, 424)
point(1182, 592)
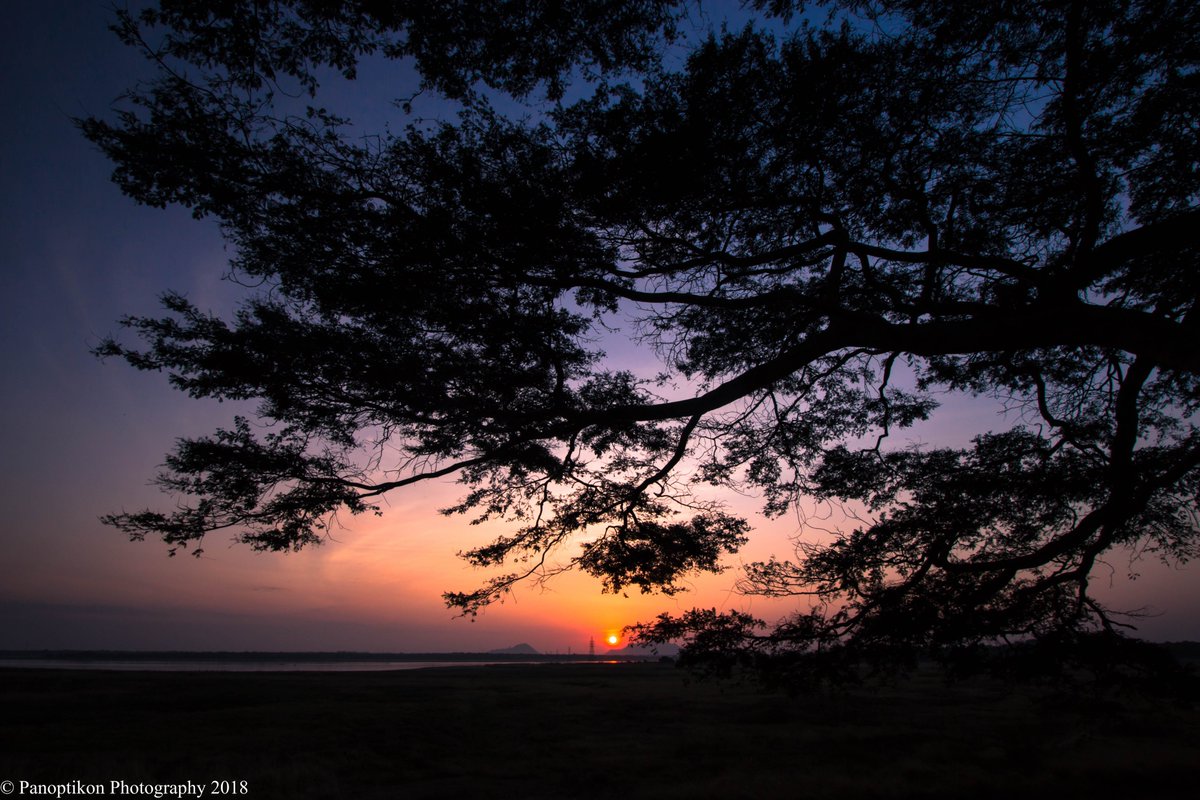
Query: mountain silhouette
point(521, 649)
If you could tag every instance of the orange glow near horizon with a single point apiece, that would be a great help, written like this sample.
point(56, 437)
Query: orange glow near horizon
point(377, 585)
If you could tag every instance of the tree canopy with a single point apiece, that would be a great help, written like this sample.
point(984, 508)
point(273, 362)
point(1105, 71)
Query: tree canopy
point(820, 222)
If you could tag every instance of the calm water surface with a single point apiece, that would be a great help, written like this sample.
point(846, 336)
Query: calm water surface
point(177, 665)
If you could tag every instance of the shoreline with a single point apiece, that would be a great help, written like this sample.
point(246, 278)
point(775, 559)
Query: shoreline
point(313, 655)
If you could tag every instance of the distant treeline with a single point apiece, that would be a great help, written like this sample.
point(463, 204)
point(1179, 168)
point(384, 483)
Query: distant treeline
point(1184, 651)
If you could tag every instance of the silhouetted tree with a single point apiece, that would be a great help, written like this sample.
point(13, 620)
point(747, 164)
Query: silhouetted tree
point(819, 229)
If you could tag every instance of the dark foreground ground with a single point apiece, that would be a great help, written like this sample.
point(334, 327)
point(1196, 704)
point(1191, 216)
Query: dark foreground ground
point(564, 731)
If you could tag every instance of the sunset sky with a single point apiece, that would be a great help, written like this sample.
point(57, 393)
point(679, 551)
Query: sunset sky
point(81, 437)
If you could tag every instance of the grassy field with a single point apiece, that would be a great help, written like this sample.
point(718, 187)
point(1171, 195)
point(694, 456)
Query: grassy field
point(564, 731)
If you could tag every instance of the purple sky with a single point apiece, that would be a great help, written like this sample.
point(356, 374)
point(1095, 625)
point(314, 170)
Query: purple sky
point(80, 437)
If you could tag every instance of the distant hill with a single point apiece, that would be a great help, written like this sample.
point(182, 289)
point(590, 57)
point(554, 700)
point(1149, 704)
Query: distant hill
point(521, 649)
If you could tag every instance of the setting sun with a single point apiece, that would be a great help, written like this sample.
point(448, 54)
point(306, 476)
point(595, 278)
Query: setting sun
point(613, 639)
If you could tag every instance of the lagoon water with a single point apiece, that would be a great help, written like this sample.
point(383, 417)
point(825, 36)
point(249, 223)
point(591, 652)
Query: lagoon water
point(174, 665)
